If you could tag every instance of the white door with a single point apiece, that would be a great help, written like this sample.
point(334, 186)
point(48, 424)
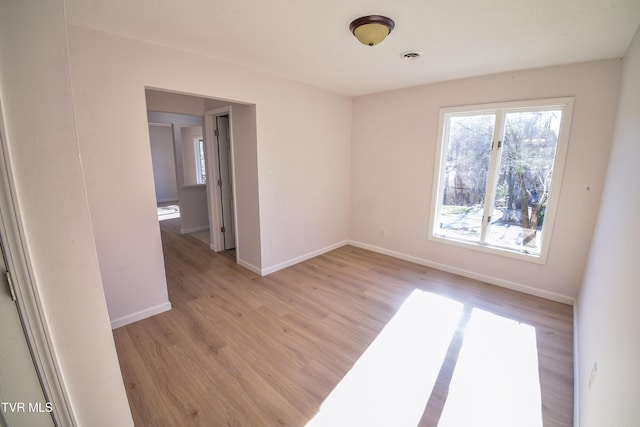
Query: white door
point(22, 401)
point(226, 189)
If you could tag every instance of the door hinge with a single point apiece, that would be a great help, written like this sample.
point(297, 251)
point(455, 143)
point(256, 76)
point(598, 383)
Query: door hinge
point(493, 143)
point(499, 144)
point(488, 219)
point(222, 229)
point(216, 132)
point(219, 183)
point(10, 283)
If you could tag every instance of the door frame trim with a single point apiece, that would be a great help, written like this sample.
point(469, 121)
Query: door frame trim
point(28, 300)
point(213, 190)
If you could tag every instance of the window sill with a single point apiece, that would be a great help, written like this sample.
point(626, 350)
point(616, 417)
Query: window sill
point(479, 247)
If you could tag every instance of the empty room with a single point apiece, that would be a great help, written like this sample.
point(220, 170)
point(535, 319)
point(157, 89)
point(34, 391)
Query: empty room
point(382, 214)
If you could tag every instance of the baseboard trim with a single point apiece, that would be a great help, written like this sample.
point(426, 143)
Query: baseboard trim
point(194, 229)
point(166, 200)
point(466, 273)
point(250, 267)
point(301, 258)
point(139, 315)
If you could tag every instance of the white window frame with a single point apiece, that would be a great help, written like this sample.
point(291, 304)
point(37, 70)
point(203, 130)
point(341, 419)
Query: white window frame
point(196, 148)
point(566, 105)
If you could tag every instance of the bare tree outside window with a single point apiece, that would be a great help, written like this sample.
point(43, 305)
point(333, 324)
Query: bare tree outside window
point(497, 170)
point(201, 168)
point(526, 169)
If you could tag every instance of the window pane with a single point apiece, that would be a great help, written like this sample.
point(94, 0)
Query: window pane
point(524, 180)
point(201, 164)
point(466, 168)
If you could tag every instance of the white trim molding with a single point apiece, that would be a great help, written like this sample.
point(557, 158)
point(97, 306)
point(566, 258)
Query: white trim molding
point(301, 258)
point(499, 111)
point(214, 191)
point(552, 296)
point(249, 266)
point(18, 258)
point(193, 229)
point(139, 315)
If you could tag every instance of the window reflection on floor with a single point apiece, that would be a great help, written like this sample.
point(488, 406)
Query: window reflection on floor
point(496, 381)
point(168, 212)
point(391, 382)
point(492, 378)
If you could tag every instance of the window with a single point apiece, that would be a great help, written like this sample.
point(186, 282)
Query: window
point(201, 169)
point(499, 169)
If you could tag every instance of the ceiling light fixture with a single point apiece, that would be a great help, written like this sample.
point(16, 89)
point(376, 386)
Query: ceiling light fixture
point(372, 29)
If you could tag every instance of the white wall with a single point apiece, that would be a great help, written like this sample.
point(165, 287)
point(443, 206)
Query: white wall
point(608, 317)
point(187, 136)
point(174, 103)
point(214, 104)
point(48, 183)
point(183, 112)
point(243, 127)
point(193, 200)
point(127, 240)
point(194, 211)
point(392, 162)
point(294, 182)
point(162, 158)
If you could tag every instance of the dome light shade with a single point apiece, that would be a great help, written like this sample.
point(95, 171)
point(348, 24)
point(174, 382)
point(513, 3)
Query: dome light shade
point(372, 29)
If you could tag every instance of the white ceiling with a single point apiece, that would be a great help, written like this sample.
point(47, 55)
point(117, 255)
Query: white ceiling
point(309, 40)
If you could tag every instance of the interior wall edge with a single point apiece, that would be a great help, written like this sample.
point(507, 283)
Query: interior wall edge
point(249, 266)
point(140, 315)
point(576, 368)
point(301, 258)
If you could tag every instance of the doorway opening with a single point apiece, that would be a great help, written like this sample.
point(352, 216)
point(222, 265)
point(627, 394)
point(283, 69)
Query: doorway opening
point(221, 191)
point(196, 170)
point(179, 186)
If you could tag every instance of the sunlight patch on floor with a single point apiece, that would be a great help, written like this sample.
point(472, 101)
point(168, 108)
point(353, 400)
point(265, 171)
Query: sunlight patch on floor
point(168, 212)
point(391, 382)
point(496, 381)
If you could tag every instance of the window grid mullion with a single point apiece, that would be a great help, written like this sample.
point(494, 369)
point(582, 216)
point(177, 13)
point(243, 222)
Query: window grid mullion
point(492, 179)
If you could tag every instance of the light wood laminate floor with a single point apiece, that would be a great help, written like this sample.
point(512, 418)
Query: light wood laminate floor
point(238, 349)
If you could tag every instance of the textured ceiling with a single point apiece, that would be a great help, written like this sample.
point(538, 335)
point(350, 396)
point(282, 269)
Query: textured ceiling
point(309, 41)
